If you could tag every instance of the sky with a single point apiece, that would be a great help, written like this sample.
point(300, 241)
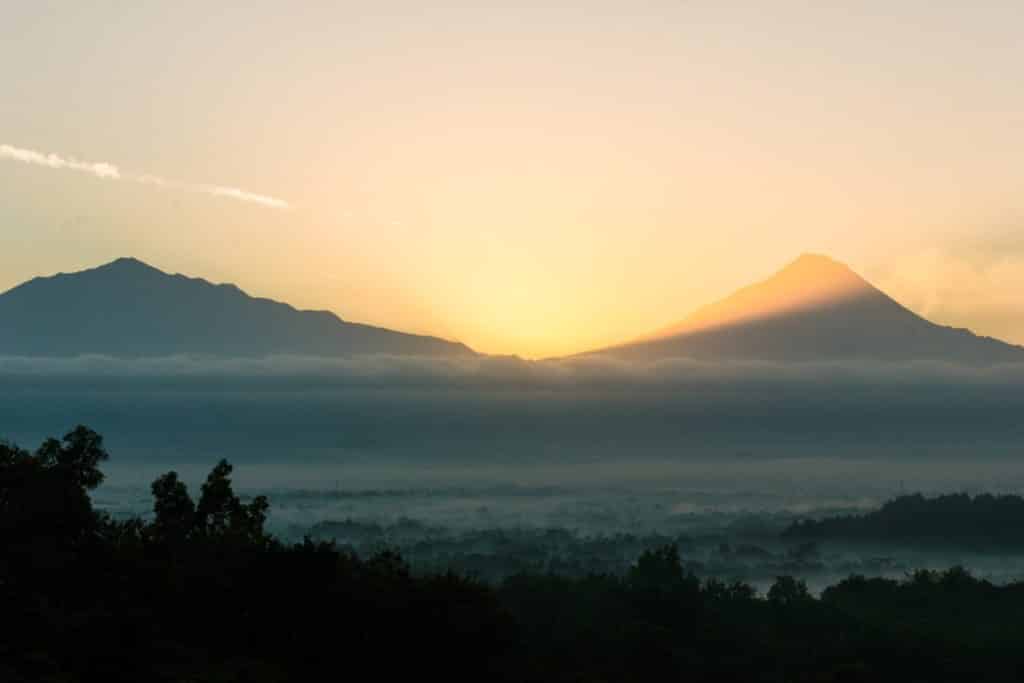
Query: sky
point(528, 178)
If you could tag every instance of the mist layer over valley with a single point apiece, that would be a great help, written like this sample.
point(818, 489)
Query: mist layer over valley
point(485, 411)
point(610, 456)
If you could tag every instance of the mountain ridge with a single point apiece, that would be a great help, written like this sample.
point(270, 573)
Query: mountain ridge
point(814, 308)
point(129, 308)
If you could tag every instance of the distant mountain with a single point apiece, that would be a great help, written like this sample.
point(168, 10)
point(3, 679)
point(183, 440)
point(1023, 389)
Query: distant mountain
point(814, 309)
point(130, 309)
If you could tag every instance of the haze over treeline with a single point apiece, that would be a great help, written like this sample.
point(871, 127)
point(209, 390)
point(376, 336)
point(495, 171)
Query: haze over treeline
point(484, 408)
point(199, 589)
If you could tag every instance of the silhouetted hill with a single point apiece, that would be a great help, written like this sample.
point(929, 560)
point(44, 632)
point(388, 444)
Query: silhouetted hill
point(984, 521)
point(814, 309)
point(128, 308)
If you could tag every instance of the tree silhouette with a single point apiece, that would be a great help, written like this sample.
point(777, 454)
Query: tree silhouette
point(78, 454)
point(44, 499)
point(220, 513)
point(788, 591)
point(174, 512)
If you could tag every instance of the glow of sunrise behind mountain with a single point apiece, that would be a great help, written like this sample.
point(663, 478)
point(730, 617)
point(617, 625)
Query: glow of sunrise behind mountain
point(536, 178)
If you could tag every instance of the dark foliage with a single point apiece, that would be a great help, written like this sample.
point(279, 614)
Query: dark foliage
point(982, 522)
point(202, 593)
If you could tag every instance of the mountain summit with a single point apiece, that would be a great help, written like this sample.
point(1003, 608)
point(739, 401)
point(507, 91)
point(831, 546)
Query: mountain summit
point(815, 308)
point(131, 309)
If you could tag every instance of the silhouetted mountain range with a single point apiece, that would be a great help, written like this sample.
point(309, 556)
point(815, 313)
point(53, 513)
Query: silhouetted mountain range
point(814, 309)
point(128, 308)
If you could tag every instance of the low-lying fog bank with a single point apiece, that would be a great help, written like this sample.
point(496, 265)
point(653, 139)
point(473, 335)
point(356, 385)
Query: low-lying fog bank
point(717, 457)
point(292, 410)
point(728, 522)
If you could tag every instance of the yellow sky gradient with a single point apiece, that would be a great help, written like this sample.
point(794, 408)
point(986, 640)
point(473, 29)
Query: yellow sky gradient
point(534, 179)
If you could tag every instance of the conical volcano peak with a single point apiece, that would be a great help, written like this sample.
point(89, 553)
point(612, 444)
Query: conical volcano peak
point(811, 260)
point(812, 271)
point(814, 308)
point(811, 281)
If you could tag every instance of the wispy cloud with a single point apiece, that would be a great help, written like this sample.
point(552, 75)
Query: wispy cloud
point(29, 156)
point(242, 195)
point(102, 169)
point(215, 190)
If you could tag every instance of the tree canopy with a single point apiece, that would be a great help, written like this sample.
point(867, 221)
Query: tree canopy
point(201, 592)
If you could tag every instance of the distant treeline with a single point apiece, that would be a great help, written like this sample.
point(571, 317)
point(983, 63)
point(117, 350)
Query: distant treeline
point(200, 592)
point(980, 522)
point(494, 554)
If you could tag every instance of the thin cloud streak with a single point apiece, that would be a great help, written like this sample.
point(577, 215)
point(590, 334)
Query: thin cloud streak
point(242, 195)
point(28, 156)
point(109, 171)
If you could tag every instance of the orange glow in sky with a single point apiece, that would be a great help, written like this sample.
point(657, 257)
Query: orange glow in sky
point(535, 178)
